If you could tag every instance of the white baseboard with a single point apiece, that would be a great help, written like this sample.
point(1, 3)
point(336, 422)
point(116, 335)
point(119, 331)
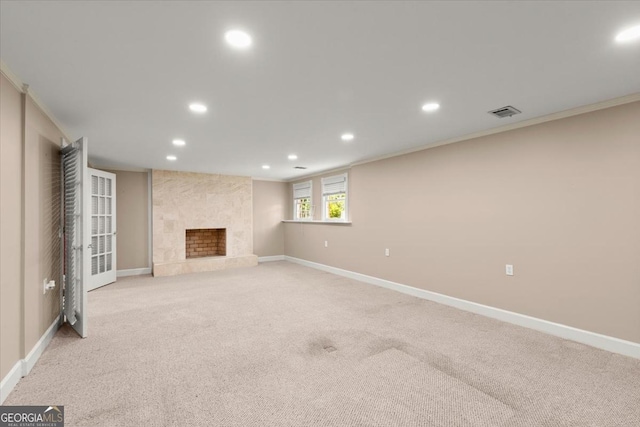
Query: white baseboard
point(29, 362)
point(24, 366)
point(10, 381)
point(271, 258)
point(133, 272)
point(612, 344)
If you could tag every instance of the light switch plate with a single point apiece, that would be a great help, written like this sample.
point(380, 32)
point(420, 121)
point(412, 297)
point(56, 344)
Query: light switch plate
point(509, 270)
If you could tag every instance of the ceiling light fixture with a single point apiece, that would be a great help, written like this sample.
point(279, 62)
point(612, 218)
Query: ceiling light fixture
point(172, 158)
point(238, 39)
point(266, 167)
point(347, 137)
point(292, 157)
point(629, 34)
point(430, 107)
point(198, 108)
point(179, 142)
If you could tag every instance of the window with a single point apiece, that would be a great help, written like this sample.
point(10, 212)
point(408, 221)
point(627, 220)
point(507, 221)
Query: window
point(334, 198)
point(302, 207)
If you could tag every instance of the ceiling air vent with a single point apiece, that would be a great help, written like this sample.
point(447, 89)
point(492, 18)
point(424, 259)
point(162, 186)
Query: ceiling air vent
point(507, 111)
point(299, 167)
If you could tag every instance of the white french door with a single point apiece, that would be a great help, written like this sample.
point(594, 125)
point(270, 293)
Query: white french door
point(89, 244)
point(102, 229)
point(75, 242)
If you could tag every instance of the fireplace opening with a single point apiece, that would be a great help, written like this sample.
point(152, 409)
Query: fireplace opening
point(203, 242)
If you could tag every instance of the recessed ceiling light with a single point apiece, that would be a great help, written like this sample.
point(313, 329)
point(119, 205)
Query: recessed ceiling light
point(179, 142)
point(430, 106)
point(266, 167)
point(629, 34)
point(198, 108)
point(292, 157)
point(172, 158)
point(347, 137)
point(238, 39)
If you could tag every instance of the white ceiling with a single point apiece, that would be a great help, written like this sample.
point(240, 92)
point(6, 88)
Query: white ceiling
point(123, 73)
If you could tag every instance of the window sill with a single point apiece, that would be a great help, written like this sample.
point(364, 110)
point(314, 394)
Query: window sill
point(317, 222)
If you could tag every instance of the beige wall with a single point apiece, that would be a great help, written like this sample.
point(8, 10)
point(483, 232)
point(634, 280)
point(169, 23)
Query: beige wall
point(10, 226)
point(132, 219)
point(269, 209)
point(30, 192)
point(559, 200)
point(42, 222)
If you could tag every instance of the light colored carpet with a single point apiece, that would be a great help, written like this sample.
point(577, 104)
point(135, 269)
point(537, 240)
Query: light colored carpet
point(285, 345)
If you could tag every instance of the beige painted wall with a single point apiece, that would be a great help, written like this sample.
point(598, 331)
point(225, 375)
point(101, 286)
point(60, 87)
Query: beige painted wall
point(30, 195)
point(132, 219)
point(559, 200)
point(10, 225)
point(269, 209)
point(42, 222)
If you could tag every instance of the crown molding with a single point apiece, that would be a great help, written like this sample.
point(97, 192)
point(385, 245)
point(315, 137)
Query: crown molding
point(23, 87)
point(321, 173)
point(526, 123)
point(257, 178)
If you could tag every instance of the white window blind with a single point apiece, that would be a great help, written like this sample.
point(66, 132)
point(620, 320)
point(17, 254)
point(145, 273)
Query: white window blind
point(302, 190)
point(334, 185)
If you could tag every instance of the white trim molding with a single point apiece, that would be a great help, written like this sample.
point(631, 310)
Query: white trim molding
point(150, 216)
point(10, 381)
point(24, 88)
point(133, 272)
point(612, 344)
point(505, 128)
point(315, 221)
point(340, 169)
point(29, 362)
point(499, 129)
point(271, 258)
point(24, 366)
point(258, 178)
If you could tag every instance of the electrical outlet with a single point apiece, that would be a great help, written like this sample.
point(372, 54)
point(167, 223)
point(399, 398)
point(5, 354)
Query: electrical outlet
point(509, 270)
point(326, 243)
point(48, 285)
point(386, 252)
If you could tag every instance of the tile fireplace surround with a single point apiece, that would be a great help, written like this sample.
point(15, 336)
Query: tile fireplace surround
point(185, 200)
